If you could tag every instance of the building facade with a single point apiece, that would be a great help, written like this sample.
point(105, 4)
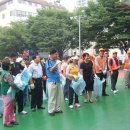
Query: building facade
point(20, 10)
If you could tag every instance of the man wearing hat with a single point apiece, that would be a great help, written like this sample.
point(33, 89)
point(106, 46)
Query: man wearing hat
point(101, 69)
point(114, 66)
point(127, 69)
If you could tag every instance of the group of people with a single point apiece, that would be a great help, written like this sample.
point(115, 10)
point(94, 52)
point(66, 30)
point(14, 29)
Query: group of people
point(47, 76)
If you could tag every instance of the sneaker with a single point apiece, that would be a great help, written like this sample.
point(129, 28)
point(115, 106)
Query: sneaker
point(41, 107)
point(77, 105)
point(8, 125)
point(71, 106)
point(60, 111)
point(115, 91)
point(14, 123)
point(85, 101)
point(52, 114)
point(33, 109)
point(23, 113)
point(66, 99)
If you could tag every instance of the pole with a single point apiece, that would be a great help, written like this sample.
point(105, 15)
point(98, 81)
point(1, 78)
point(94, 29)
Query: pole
point(79, 35)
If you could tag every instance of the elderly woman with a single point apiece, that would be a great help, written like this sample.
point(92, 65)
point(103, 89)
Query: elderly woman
point(72, 72)
point(87, 70)
point(9, 103)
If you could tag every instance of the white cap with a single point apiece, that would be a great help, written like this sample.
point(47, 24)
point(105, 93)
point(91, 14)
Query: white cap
point(19, 59)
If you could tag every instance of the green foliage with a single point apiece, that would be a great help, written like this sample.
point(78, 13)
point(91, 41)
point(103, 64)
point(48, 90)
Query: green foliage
point(108, 24)
point(53, 28)
point(13, 39)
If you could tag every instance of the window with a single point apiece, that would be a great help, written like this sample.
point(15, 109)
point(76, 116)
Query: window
point(30, 3)
point(2, 7)
point(3, 16)
point(21, 2)
point(10, 2)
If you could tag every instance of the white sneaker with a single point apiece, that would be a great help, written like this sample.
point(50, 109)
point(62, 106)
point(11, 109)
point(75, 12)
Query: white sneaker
point(85, 100)
point(115, 91)
point(77, 104)
point(23, 113)
point(66, 99)
point(71, 106)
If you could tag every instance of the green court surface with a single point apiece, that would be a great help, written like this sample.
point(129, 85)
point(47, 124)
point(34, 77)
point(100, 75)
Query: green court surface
point(110, 113)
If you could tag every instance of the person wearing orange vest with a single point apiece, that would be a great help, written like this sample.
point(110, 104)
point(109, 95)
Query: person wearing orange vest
point(106, 55)
point(127, 69)
point(114, 66)
point(101, 69)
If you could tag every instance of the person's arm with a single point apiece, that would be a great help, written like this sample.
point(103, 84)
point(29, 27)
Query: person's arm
point(110, 66)
point(31, 79)
point(81, 68)
point(53, 68)
point(8, 78)
point(93, 68)
point(68, 73)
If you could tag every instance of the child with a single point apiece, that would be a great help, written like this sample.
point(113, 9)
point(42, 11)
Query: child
point(9, 103)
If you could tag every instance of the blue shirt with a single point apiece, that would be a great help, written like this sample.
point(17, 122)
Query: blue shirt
point(53, 76)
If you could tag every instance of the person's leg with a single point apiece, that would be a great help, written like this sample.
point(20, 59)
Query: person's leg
point(34, 97)
point(113, 81)
point(20, 101)
point(12, 116)
point(44, 86)
point(71, 93)
point(66, 89)
point(126, 79)
point(104, 84)
point(116, 77)
point(52, 91)
point(76, 98)
point(129, 80)
point(90, 96)
point(7, 110)
point(25, 96)
point(59, 98)
point(40, 94)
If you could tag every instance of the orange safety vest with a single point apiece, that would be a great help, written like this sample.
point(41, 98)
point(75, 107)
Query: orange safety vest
point(114, 65)
point(127, 63)
point(100, 63)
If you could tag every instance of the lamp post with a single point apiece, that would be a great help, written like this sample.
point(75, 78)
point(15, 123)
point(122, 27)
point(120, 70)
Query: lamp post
point(79, 35)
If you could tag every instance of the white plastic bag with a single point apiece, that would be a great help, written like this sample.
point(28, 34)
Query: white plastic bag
point(63, 81)
point(98, 84)
point(1, 105)
point(78, 85)
point(21, 80)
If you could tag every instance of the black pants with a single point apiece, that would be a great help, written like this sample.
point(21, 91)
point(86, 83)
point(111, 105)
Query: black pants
point(19, 99)
point(101, 76)
point(71, 94)
point(44, 85)
point(37, 94)
point(66, 89)
point(114, 78)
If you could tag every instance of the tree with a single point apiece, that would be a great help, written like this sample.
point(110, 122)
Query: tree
point(53, 28)
point(108, 24)
point(13, 39)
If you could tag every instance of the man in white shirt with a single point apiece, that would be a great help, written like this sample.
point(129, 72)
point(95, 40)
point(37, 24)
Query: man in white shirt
point(36, 84)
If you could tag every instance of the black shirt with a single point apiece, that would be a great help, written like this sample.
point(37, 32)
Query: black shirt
point(87, 69)
point(17, 68)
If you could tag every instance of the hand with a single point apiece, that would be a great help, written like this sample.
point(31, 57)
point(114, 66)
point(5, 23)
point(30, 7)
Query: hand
point(58, 62)
point(75, 77)
point(32, 86)
point(111, 72)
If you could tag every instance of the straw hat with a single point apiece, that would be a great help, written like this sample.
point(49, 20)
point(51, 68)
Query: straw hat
point(75, 58)
point(101, 49)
